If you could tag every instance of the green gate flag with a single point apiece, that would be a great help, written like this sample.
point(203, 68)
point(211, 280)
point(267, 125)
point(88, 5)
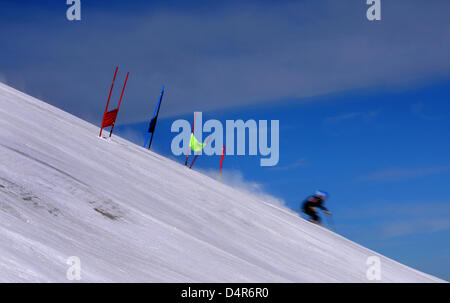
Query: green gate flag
point(195, 144)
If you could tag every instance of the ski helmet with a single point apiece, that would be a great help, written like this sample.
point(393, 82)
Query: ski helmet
point(322, 193)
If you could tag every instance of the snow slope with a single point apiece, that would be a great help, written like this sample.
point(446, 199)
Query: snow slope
point(132, 215)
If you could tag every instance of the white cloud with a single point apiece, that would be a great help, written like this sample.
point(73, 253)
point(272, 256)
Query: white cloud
point(234, 55)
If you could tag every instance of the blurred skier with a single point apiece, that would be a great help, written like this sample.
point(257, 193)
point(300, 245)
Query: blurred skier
point(313, 202)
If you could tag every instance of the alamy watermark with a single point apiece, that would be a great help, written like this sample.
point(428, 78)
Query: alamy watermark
point(374, 11)
point(374, 270)
point(74, 11)
point(258, 141)
point(74, 271)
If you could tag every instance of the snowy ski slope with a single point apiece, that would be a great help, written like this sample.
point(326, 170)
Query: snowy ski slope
point(131, 215)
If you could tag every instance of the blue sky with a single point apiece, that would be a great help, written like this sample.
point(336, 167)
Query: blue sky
point(363, 107)
point(382, 155)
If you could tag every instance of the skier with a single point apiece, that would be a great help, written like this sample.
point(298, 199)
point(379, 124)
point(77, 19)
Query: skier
point(310, 204)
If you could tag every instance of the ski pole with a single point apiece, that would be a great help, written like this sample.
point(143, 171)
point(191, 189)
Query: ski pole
point(331, 223)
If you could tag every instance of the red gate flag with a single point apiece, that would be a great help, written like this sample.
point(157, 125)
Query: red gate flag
point(109, 117)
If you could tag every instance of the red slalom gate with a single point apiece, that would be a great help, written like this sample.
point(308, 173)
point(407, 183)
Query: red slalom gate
point(221, 162)
point(109, 117)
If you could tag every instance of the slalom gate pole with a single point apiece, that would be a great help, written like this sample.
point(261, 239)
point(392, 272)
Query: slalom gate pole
point(111, 131)
point(146, 140)
point(156, 116)
point(193, 161)
point(120, 100)
point(123, 90)
point(221, 162)
point(189, 145)
point(331, 223)
point(150, 144)
point(107, 103)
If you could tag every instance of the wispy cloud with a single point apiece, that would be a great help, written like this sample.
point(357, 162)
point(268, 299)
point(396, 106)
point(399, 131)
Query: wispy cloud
point(397, 174)
point(366, 116)
point(418, 110)
point(400, 218)
point(296, 164)
point(344, 124)
point(417, 226)
point(342, 117)
point(225, 55)
point(391, 210)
